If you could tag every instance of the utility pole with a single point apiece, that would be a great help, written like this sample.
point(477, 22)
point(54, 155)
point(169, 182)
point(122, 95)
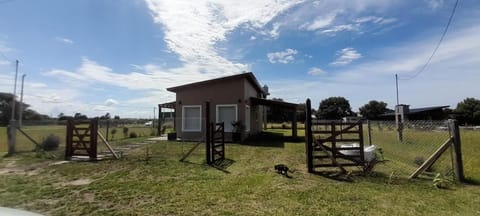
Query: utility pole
point(21, 102)
point(396, 85)
point(14, 90)
point(154, 113)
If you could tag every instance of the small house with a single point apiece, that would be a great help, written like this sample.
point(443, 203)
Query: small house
point(233, 99)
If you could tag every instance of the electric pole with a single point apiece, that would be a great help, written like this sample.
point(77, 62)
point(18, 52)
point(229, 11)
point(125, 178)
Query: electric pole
point(154, 113)
point(21, 103)
point(14, 90)
point(396, 85)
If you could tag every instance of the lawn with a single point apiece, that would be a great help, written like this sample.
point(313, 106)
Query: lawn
point(151, 181)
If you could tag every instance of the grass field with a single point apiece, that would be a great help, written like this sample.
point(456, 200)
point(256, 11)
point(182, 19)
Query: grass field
point(151, 181)
point(38, 133)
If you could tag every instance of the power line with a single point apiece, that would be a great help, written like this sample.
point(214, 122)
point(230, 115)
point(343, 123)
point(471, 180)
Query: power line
point(436, 47)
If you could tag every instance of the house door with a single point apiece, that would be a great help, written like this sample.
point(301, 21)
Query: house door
point(227, 114)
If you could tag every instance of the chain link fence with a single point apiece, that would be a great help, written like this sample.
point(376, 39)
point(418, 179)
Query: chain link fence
point(403, 151)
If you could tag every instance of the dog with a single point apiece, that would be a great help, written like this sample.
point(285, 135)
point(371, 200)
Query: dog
point(282, 169)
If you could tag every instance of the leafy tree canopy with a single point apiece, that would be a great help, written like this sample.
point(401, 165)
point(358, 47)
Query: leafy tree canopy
point(334, 108)
point(373, 109)
point(468, 111)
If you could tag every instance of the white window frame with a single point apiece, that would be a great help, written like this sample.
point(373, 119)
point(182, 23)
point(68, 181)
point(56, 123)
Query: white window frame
point(226, 105)
point(199, 119)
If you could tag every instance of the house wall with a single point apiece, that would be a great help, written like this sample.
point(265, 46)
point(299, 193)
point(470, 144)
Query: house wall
point(256, 112)
point(226, 92)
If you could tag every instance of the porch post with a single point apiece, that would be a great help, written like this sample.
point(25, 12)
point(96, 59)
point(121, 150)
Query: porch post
point(294, 124)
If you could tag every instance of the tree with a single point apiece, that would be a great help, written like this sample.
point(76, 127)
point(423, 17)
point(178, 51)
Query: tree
point(373, 109)
point(468, 111)
point(334, 108)
point(106, 116)
point(117, 117)
point(80, 116)
point(6, 108)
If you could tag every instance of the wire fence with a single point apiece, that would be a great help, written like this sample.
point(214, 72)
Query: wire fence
point(40, 133)
point(403, 151)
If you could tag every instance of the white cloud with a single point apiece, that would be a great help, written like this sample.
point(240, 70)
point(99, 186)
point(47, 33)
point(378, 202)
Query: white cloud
point(319, 22)
point(253, 38)
point(110, 102)
point(375, 20)
point(4, 62)
point(434, 4)
point(193, 28)
point(455, 65)
point(4, 48)
point(315, 71)
point(339, 28)
point(346, 56)
point(64, 40)
point(283, 57)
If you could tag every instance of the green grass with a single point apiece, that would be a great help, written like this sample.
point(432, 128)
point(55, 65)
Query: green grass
point(38, 133)
point(161, 185)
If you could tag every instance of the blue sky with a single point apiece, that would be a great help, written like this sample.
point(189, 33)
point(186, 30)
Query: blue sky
point(98, 56)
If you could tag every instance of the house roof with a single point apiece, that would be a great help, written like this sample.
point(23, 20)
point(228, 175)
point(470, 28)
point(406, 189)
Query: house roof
point(249, 76)
point(273, 103)
point(170, 105)
point(418, 110)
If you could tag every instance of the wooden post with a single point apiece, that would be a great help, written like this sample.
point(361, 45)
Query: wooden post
point(12, 136)
point(108, 128)
point(93, 139)
point(160, 117)
point(207, 133)
point(294, 124)
point(362, 145)
point(369, 132)
point(308, 136)
point(68, 146)
point(457, 146)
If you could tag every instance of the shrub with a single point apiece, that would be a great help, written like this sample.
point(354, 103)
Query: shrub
point(125, 132)
point(51, 143)
point(113, 132)
point(133, 134)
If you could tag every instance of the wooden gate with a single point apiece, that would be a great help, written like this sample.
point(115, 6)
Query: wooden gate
point(81, 139)
point(333, 144)
point(217, 141)
point(214, 138)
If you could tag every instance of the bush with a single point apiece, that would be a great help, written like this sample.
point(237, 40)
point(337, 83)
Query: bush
point(125, 132)
point(51, 143)
point(133, 135)
point(113, 132)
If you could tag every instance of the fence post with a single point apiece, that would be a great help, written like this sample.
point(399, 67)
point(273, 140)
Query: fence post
point(308, 136)
point(160, 119)
point(108, 128)
point(369, 132)
point(455, 131)
point(12, 136)
point(207, 133)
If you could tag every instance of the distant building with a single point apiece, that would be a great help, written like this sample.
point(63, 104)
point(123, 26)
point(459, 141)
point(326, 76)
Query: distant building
point(423, 113)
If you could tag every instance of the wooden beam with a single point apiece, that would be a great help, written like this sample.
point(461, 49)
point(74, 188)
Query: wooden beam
point(108, 145)
point(434, 157)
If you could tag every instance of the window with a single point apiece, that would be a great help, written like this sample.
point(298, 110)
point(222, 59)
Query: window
point(227, 114)
point(191, 118)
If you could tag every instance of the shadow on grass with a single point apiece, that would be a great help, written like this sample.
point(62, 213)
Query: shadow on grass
point(335, 175)
point(471, 181)
point(270, 139)
point(222, 165)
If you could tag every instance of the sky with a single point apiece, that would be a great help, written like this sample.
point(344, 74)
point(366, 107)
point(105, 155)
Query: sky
point(119, 56)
